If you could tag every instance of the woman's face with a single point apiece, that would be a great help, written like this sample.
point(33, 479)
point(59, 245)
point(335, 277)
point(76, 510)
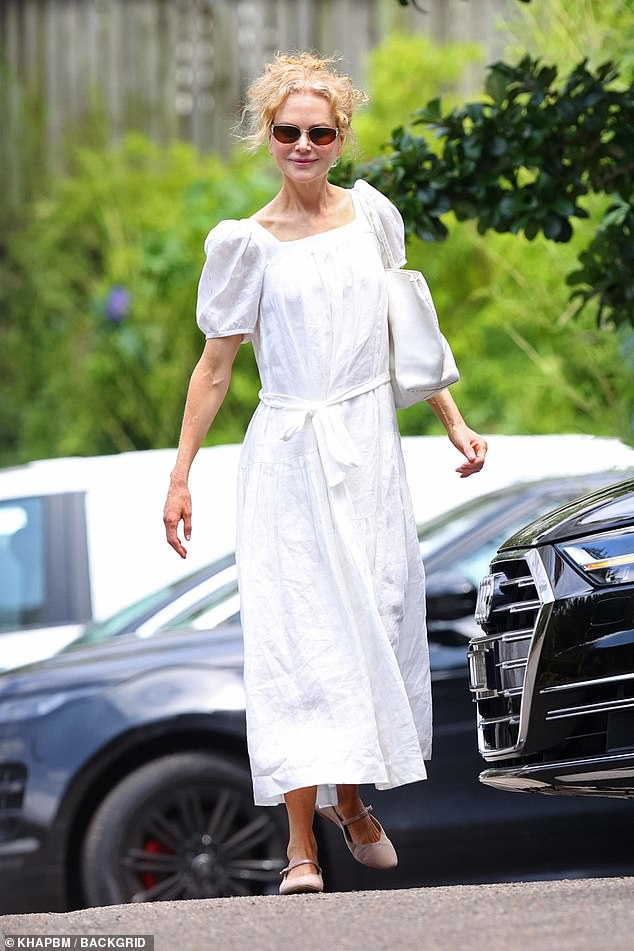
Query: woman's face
point(303, 161)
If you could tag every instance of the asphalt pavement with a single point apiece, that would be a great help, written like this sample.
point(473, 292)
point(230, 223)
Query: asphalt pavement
point(572, 915)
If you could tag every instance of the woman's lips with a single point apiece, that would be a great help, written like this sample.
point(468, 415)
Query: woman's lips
point(303, 161)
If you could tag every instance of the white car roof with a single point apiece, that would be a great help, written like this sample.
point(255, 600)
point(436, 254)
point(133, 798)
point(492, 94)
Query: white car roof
point(435, 487)
point(430, 459)
point(80, 473)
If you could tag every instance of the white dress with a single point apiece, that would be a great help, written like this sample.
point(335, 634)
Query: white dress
point(331, 580)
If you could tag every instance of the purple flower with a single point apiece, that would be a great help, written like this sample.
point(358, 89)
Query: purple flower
point(117, 304)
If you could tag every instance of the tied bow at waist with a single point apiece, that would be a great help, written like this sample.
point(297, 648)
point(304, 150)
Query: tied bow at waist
point(337, 450)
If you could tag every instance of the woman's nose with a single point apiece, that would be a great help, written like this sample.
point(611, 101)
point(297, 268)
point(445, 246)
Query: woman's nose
point(303, 142)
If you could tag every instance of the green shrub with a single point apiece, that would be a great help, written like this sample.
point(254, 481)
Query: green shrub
point(503, 301)
point(97, 297)
point(405, 71)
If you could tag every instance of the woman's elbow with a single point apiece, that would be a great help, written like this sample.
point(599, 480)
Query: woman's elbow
point(216, 361)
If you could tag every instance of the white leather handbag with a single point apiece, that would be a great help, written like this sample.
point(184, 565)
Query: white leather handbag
point(421, 361)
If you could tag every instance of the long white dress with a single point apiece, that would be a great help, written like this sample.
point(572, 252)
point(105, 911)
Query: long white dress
point(331, 580)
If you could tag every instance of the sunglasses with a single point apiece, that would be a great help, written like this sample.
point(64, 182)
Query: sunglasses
point(318, 135)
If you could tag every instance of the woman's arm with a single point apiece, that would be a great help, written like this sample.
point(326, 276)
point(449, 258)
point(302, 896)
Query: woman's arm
point(207, 389)
point(468, 442)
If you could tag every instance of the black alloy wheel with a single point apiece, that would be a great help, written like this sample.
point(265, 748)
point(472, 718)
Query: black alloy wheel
point(183, 826)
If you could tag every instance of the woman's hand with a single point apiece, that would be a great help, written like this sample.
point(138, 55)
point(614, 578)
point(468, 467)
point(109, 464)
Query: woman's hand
point(471, 445)
point(207, 388)
point(178, 508)
point(466, 441)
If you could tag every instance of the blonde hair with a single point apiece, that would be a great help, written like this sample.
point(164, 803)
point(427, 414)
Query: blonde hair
point(299, 72)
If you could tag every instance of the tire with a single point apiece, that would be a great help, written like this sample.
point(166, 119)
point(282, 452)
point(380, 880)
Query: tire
point(182, 826)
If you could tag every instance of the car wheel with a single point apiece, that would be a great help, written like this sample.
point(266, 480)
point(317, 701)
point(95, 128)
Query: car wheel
point(182, 826)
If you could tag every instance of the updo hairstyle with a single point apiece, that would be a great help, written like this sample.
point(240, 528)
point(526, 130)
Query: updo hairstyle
point(300, 72)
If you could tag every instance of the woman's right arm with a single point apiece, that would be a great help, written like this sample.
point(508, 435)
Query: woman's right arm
point(207, 389)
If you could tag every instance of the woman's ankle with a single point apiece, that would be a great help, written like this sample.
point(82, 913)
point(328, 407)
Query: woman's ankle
point(349, 802)
point(304, 847)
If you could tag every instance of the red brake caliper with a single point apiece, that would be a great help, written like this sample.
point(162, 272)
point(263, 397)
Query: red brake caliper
point(152, 845)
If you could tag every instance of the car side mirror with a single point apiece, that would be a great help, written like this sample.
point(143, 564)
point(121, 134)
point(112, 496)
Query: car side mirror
point(449, 596)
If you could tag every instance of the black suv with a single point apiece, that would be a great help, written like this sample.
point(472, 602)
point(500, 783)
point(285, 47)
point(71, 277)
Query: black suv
point(553, 675)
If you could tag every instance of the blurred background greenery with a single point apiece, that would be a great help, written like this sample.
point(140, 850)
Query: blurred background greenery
point(99, 267)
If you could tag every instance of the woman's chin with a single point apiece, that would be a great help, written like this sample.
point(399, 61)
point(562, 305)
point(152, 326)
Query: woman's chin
point(305, 171)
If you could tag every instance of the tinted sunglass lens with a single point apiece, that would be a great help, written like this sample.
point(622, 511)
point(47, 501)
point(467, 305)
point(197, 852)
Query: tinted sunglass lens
point(319, 135)
point(286, 133)
point(322, 135)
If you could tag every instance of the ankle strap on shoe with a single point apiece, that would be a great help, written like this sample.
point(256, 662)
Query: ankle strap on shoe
point(297, 862)
point(362, 815)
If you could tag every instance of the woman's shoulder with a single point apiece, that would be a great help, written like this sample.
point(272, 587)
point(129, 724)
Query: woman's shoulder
point(373, 194)
point(231, 232)
point(389, 216)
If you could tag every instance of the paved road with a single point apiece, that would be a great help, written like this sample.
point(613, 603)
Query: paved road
point(577, 915)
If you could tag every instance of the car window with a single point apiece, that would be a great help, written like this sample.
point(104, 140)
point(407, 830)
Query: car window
point(475, 564)
point(102, 630)
point(22, 563)
point(215, 608)
point(620, 509)
point(210, 613)
point(453, 524)
point(165, 607)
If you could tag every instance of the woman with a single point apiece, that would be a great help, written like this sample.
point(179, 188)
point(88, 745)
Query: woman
point(331, 581)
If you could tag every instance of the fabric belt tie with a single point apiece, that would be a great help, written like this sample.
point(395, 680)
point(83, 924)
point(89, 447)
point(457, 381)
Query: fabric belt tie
point(337, 450)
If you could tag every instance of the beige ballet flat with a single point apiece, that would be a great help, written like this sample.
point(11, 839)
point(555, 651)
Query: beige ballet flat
point(381, 854)
point(301, 884)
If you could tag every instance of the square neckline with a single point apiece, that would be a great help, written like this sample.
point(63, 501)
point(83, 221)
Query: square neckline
point(317, 234)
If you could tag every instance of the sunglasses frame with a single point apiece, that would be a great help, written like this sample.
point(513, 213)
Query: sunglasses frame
point(291, 125)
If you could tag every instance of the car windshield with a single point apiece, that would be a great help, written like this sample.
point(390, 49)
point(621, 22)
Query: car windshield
point(183, 600)
point(100, 630)
point(477, 529)
point(446, 528)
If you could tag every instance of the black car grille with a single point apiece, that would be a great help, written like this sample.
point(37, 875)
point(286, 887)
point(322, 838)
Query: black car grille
point(12, 787)
point(498, 660)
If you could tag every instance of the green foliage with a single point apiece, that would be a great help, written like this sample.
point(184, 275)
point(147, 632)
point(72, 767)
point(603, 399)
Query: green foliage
point(403, 71)
point(527, 366)
point(97, 296)
point(569, 31)
point(414, 3)
point(521, 161)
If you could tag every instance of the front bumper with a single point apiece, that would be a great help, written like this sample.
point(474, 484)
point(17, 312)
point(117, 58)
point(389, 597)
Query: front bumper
point(609, 775)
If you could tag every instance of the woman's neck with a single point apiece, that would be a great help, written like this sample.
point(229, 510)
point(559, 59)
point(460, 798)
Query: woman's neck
point(312, 198)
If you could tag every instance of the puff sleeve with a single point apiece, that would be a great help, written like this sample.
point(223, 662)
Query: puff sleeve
point(231, 281)
point(390, 219)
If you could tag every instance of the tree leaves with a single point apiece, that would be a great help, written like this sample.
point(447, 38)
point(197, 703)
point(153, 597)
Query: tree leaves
point(97, 297)
point(521, 160)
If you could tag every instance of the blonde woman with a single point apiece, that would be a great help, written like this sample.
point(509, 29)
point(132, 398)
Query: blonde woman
point(331, 582)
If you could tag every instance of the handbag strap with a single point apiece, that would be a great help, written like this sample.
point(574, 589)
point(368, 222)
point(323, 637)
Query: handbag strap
point(377, 226)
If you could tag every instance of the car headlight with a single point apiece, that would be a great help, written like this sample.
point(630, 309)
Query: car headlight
point(28, 708)
point(606, 558)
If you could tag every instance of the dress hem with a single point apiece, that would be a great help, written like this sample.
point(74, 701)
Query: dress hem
point(269, 793)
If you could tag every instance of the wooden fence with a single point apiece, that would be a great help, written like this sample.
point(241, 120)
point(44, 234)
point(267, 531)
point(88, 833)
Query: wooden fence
point(177, 68)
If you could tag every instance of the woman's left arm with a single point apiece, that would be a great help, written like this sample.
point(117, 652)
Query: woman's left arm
point(468, 442)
